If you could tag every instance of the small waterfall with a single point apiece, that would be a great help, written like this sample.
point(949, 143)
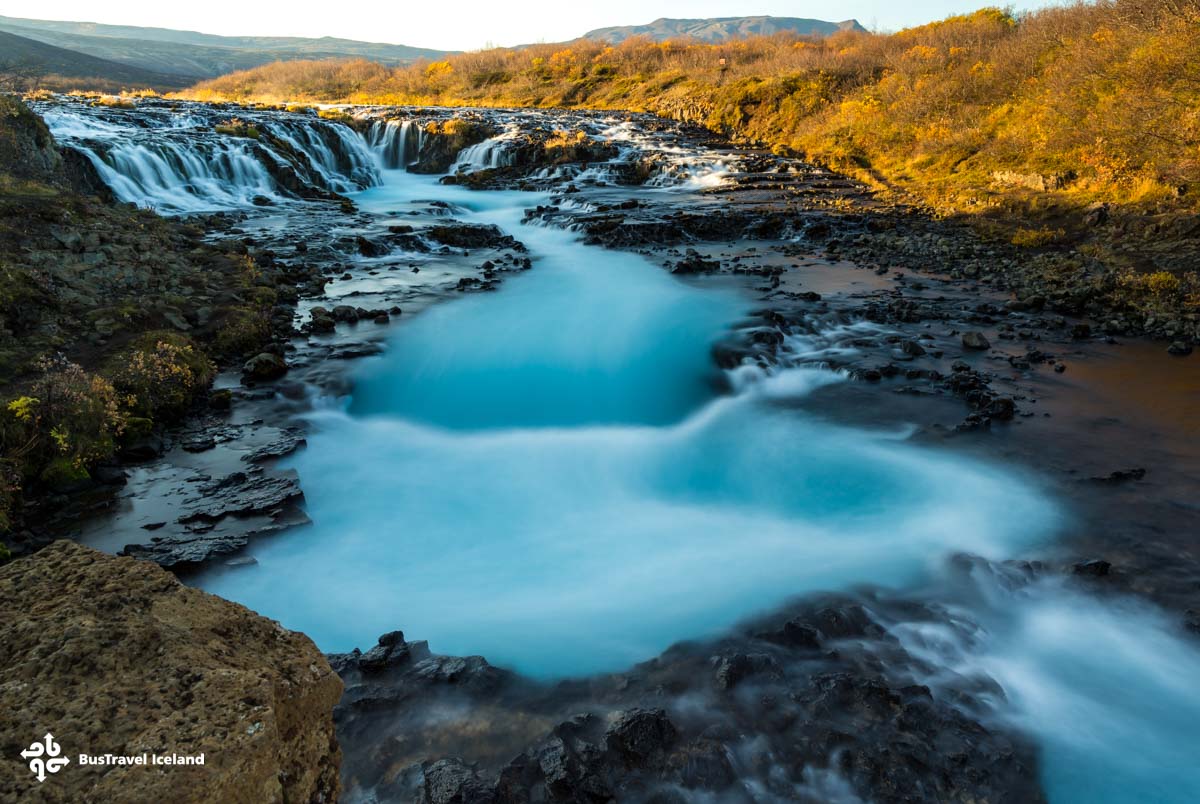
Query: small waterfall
point(336, 153)
point(167, 177)
point(493, 152)
point(396, 143)
point(173, 159)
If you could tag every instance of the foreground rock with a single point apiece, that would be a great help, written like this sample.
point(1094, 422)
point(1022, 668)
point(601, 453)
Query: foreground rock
point(113, 655)
point(819, 691)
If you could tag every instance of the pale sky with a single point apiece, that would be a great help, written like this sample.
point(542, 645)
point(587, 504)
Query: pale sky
point(468, 24)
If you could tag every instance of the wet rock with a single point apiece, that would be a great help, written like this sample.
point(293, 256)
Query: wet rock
point(1096, 568)
point(345, 313)
point(638, 736)
point(693, 263)
point(449, 781)
point(243, 494)
point(287, 443)
point(221, 399)
point(465, 235)
point(264, 367)
point(1179, 349)
point(975, 340)
point(1002, 408)
point(199, 443)
point(1120, 476)
point(731, 670)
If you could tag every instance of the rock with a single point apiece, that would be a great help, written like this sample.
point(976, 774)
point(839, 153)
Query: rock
point(638, 735)
point(264, 367)
point(1081, 331)
point(693, 263)
point(975, 340)
point(449, 781)
point(1096, 215)
point(242, 494)
point(127, 660)
point(1097, 568)
point(221, 399)
point(730, 670)
point(1120, 476)
point(912, 348)
point(344, 312)
point(199, 443)
point(1179, 349)
point(1001, 408)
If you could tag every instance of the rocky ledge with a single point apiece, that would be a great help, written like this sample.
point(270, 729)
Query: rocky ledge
point(115, 656)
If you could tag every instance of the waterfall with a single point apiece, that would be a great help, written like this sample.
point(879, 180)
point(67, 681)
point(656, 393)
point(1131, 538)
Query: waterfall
point(489, 154)
point(175, 161)
point(396, 143)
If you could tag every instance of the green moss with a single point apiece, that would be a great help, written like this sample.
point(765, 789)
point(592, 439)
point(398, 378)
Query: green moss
point(244, 330)
point(63, 473)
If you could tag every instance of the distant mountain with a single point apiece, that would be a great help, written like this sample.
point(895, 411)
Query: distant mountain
point(66, 69)
point(199, 55)
point(722, 29)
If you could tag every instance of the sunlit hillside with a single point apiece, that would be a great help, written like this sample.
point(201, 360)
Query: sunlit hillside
point(1080, 104)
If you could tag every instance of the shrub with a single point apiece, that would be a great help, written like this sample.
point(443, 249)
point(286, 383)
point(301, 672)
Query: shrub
point(161, 374)
point(1033, 238)
point(70, 419)
point(237, 128)
point(245, 330)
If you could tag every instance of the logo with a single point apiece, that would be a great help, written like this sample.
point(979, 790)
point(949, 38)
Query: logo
point(44, 757)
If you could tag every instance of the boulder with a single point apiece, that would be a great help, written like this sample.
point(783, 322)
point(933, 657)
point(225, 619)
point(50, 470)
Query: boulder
point(975, 340)
point(264, 367)
point(115, 656)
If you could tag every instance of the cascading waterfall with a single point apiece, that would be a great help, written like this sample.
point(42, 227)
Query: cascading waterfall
point(168, 177)
point(396, 142)
point(335, 152)
point(178, 163)
point(487, 155)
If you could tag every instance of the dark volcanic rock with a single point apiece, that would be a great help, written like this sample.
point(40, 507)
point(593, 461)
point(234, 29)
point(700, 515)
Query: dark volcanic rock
point(264, 367)
point(975, 340)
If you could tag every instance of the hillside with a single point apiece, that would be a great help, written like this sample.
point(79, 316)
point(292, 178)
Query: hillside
point(64, 69)
point(721, 29)
point(199, 55)
point(1065, 127)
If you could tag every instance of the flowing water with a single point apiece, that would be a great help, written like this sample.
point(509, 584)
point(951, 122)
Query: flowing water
point(557, 477)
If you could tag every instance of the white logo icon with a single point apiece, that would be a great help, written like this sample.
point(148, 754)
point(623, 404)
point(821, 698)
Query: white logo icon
point(44, 757)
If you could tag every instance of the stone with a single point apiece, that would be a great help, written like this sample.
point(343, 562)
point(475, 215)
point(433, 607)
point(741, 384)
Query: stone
point(1179, 349)
point(975, 340)
point(264, 367)
point(637, 735)
point(125, 659)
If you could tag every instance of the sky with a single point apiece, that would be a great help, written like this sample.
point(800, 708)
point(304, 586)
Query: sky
point(469, 24)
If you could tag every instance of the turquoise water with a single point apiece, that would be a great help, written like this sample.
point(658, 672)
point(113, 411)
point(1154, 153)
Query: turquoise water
point(556, 476)
point(1107, 687)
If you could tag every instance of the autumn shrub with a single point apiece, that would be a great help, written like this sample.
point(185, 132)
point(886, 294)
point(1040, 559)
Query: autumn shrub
point(160, 374)
point(1033, 238)
point(68, 421)
point(244, 330)
point(237, 128)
